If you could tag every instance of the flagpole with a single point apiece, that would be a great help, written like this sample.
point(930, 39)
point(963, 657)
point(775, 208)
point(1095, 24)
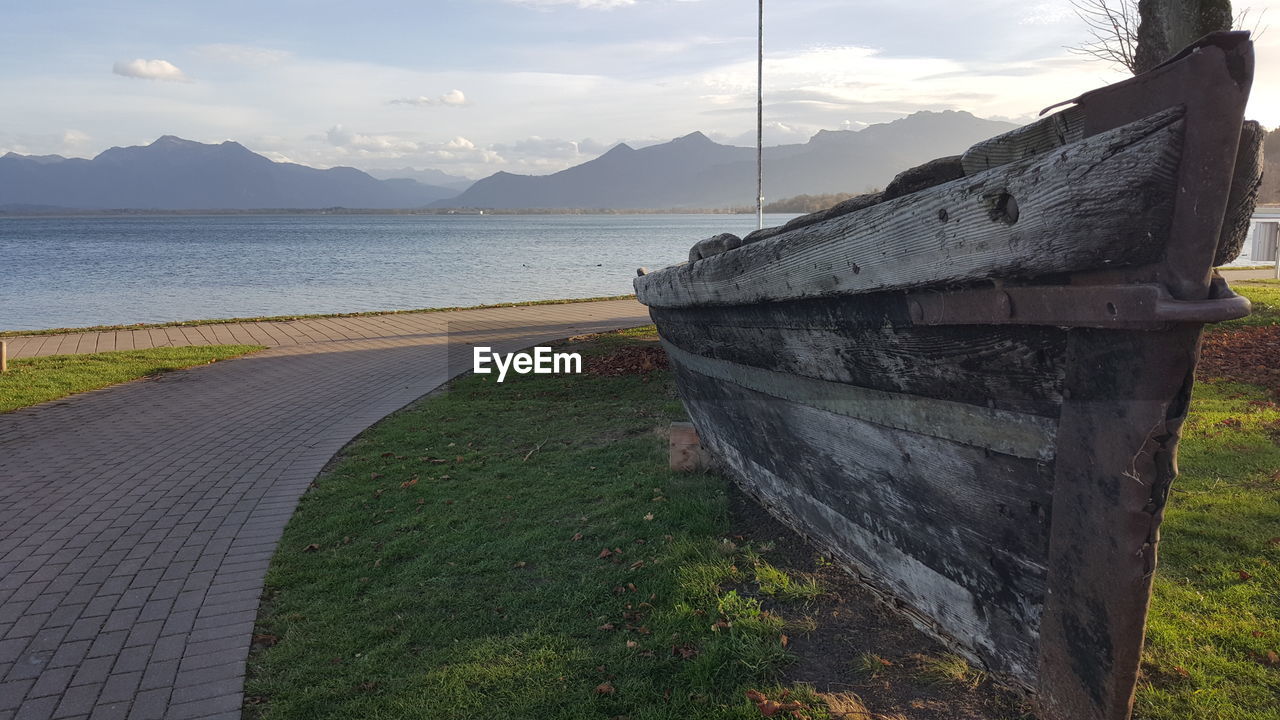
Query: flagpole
point(760, 118)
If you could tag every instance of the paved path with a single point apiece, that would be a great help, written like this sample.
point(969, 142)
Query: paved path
point(1234, 275)
point(274, 333)
point(137, 522)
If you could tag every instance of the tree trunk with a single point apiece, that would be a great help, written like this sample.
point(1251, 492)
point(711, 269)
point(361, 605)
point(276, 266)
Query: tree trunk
point(1169, 25)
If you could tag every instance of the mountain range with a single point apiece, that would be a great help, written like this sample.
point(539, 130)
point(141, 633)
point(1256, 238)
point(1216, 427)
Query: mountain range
point(176, 174)
point(427, 176)
point(692, 171)
point(695, 172)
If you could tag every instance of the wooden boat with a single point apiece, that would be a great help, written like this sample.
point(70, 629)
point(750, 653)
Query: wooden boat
point(970, 392)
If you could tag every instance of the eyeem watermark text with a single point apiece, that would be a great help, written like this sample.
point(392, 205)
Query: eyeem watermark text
point(542, 361)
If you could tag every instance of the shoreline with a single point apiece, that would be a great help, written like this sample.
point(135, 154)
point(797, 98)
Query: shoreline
point(311, 316)
point(455, 212)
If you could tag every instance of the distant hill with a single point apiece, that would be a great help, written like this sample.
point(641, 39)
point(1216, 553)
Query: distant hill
point(428, 176)
point(176, 174)
point(694, 171)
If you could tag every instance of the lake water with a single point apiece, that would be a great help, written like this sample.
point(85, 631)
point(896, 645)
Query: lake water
point(75, 272)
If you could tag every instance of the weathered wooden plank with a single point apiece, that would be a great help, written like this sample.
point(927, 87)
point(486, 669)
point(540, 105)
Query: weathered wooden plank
point(1016, 434)
point(1101, 202)
point(1059, 129)
point(870, 343)
point(1110, 487)
point(959, 534)
point(1211, 82)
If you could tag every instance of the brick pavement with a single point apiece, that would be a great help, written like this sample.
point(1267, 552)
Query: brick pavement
point(137, 521)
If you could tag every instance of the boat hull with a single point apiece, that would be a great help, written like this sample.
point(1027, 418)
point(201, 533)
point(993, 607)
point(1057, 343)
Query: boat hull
point(972, 395)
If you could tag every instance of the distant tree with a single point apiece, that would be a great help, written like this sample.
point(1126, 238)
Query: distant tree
point(806, 203)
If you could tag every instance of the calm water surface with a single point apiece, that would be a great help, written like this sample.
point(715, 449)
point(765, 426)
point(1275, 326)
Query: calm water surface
point(75, 272)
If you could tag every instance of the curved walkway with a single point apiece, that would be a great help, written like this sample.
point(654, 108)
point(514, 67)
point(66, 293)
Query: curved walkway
point(137, 521)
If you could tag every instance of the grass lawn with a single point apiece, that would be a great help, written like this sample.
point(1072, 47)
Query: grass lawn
point(519, 551)
point(36, 380)
point(1265, 296)
point(1214, 628)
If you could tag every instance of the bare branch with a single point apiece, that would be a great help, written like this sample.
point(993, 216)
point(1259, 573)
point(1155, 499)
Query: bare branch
point(1112, 28)
point(1242, 22)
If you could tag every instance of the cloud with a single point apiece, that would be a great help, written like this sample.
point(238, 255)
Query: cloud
point(338, 136)
point(453, 98)
point(149, 70)
point(74, 138)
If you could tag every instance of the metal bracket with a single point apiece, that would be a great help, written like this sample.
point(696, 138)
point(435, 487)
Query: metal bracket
point(1136, 307)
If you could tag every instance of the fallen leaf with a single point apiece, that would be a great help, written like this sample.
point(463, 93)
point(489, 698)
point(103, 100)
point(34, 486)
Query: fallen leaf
point(605, 553)
point(636, 565)
point(311, 548)
point(409, 483)
point(769, 708)
point(722, 624)
point(388, 454)
point(785, 640)
point(374, 476)
point(1182, 672)
point(607, 627)
point(605, 688)
point(684, 652)
point(1272, 658)
point(648, 516)
point(576, 537)
point(265, 640)
point(1245, 575)
point(520, 564)
point(632, 643)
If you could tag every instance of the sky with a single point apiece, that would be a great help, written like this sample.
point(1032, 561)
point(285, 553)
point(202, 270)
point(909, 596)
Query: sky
point(472, 87)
